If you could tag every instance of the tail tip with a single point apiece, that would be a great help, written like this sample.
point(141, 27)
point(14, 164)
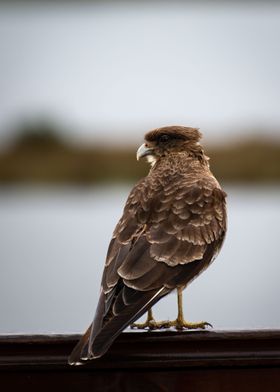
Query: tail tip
point(75, 363)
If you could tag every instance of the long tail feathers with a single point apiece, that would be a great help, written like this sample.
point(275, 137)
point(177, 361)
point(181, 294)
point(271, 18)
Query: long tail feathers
point(80, 349)
point(97, 339)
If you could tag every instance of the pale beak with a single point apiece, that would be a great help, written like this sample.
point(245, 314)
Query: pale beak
point(143, 151)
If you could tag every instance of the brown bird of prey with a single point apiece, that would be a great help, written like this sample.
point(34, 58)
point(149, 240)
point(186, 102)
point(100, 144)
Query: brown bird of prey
point(172, 228)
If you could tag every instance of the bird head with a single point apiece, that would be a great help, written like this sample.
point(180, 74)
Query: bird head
point(162, 141)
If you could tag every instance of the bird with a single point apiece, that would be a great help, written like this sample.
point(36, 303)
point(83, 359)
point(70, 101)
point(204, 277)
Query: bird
point(173, 226)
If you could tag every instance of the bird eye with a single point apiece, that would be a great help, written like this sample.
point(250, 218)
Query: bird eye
point(164, 138)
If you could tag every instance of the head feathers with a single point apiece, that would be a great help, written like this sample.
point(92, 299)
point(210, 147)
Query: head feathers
point(172, 133)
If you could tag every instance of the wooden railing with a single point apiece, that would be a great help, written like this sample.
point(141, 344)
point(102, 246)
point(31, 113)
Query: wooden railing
point(147, 361)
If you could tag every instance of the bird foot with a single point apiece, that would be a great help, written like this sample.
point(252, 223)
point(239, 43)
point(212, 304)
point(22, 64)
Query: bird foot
point(150, 324)
point(182, 324)
point(179, 324)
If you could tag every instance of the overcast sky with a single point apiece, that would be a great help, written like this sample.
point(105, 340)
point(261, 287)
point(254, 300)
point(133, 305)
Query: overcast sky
point(117, 68)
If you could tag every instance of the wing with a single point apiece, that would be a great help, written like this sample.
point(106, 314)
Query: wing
point(168, 233)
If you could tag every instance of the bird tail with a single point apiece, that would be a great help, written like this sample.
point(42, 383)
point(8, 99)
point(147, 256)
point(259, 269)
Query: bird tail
point(80, 353)
point(80, 350)
point(127, 309)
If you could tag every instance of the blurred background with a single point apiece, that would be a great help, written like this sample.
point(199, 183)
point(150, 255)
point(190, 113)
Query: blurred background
point(80, 84)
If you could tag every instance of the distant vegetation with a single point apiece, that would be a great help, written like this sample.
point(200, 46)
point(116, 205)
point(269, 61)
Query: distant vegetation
point(39, 155)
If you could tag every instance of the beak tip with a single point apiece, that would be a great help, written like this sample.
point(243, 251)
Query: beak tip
point(141, 152)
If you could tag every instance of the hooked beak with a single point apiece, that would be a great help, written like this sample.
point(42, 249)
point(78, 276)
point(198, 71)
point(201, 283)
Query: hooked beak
point(143, 151)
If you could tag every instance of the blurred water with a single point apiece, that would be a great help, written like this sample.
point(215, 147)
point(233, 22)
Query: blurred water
point(54, 241)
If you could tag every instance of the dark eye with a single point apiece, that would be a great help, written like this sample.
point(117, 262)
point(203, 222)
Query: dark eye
point(163, 138)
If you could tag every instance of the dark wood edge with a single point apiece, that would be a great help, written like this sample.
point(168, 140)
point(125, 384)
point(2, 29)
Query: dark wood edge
point(138, 350)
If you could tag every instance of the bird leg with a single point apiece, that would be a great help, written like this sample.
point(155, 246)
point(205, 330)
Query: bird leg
point(150, 323)
point(180, 322)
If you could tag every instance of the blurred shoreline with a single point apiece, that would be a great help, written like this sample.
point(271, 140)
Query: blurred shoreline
point(43, 157)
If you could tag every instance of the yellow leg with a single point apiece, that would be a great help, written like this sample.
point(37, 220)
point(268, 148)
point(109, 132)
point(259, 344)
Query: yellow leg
point(180, 322)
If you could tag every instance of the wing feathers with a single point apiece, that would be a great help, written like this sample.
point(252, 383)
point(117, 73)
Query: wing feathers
point(138, 262)
point(151, 279)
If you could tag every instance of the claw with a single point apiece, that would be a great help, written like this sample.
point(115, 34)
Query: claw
point(182, 324)
point(151, 324)
point(179, 323)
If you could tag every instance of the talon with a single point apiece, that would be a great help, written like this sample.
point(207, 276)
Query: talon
point(149, 324)
point(182, 324)
point(178, 324)
point(145, 325)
